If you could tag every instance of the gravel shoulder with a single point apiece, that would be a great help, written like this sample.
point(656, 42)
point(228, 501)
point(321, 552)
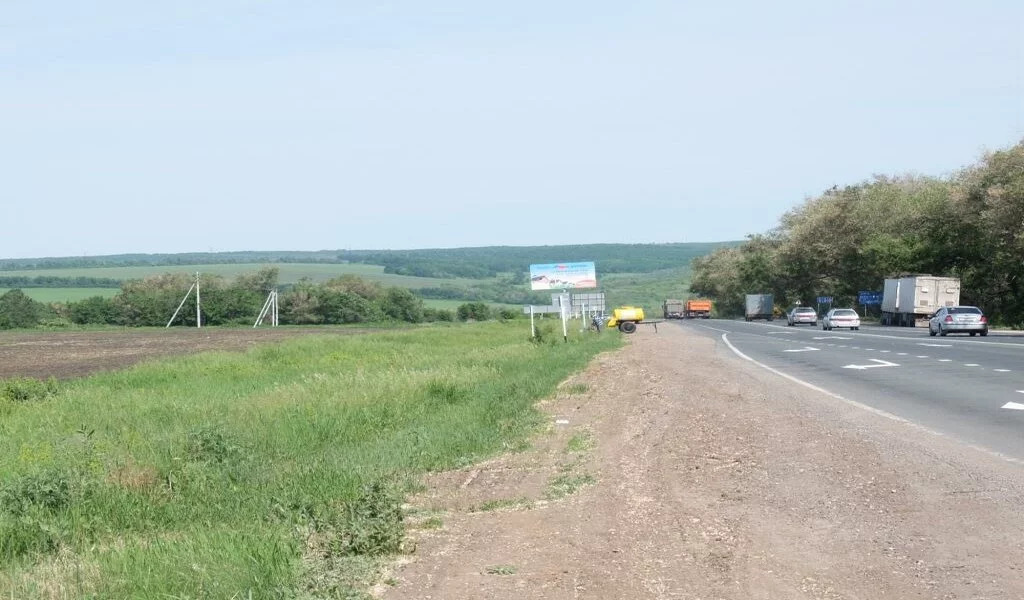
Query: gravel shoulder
point(673, 469)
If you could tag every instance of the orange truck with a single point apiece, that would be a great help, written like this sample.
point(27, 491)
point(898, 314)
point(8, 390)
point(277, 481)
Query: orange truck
point(697, 309)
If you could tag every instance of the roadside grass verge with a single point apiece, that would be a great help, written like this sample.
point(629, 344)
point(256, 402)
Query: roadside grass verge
point(279, 472)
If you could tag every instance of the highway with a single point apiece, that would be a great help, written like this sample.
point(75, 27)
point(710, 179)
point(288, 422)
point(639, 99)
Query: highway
point(968, 388)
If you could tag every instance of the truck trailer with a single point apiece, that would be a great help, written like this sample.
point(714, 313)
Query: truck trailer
point(907, 299)
point(673, 309)
point(759, 306)
point(697, 309)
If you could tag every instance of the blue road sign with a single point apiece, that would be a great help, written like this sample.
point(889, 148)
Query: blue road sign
point(824, 299)
point(867, 298)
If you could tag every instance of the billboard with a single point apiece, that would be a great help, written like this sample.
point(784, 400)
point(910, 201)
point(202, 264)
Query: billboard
point(558, 276)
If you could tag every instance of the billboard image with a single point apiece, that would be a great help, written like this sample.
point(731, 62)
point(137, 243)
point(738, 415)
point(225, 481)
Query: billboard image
point(558, 276)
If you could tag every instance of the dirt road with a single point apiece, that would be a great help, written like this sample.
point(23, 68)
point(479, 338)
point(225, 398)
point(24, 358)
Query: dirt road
point(691, 474)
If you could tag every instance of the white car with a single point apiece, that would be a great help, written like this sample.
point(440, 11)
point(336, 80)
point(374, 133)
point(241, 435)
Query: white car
point(840, 317)
point(802, 314)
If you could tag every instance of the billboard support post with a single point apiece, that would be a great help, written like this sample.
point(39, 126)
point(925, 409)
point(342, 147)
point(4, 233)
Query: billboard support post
point(565, 328)
point(533, 328)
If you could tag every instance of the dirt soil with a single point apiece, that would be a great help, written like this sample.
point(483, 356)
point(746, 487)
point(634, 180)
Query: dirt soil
point(66, 354)
point(714, 479)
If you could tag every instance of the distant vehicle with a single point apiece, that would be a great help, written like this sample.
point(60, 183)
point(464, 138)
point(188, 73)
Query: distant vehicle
point(697, 309)
point(907, 299)
point(802, 314)
point(958, 319)
point(840, 317)
point(673, 309)
point(759, 306)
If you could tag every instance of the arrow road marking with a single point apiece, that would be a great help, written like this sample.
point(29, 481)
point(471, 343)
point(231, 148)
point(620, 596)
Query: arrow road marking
point(1014, 406)
point(804, 349)
point(935, 345)
point(881, 363)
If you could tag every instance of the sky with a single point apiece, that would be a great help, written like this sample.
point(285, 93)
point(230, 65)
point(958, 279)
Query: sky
point(195, 126)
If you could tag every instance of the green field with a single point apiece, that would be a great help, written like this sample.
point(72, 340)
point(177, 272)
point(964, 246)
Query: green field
point(277, 473)
point(453, 305)
point(289, 273)
point(65, 294)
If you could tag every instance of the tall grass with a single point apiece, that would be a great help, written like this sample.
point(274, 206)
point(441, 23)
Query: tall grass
point(269, 472)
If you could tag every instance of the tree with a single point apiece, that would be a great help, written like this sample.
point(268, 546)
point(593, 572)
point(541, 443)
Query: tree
point(18, 310)
point(401, 304)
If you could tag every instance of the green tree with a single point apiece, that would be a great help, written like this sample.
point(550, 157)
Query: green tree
point(401, 304)
point(18, 310)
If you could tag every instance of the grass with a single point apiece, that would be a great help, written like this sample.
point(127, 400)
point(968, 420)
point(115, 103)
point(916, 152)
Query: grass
point(501, 570)
point(279, 472)
point(64, 294)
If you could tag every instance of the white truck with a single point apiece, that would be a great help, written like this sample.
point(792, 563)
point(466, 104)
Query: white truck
point(906, 299)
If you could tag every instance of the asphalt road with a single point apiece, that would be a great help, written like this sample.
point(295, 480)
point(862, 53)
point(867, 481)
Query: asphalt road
point(968, 388)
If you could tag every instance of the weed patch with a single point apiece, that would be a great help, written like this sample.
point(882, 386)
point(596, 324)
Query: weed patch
point(566, 484)
point(27, 389)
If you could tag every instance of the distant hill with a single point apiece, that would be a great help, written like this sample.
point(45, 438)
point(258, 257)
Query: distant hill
point(474, 263)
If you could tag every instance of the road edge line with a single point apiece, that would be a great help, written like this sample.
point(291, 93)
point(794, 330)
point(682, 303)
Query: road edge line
point(861, 405)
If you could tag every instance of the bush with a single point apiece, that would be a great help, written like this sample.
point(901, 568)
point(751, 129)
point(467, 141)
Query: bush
point(475, 311)
point(93, 311)
point(438, 314)
point(507, 314)
point(401, 304)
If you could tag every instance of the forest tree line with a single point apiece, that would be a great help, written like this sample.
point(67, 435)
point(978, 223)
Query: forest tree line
point(969, 225)
point(152, 301)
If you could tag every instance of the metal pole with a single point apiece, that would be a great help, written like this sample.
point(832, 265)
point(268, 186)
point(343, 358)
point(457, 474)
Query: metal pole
point(199, 322)
point(565, 327)
point(533, 329)
point(263, 311)
point(180, 305)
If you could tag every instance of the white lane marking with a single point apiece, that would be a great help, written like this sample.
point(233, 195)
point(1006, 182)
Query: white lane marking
point(945, 360)
point(881, 363)
point(856, 347)
point(780, 332)
point(935, 345)
point(870, 349)
point(900, 353)
point(861, 405)
point(833, 337)
point(843, 346)
point(921, 356)
point(1003, 371)
point(885, 351)
point(1020, 391)
point(804, 349)
point(908, 337)
point(971, 365)
point(1014, 406)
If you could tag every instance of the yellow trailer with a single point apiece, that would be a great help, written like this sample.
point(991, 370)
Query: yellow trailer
point(626, 318)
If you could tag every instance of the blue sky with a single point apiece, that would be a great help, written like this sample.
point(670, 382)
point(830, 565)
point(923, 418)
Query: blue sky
point(242, 125)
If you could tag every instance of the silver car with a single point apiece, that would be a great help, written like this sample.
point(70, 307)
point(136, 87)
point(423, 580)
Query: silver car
point(802, 314)
point(958, 319)
point(840, 317)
